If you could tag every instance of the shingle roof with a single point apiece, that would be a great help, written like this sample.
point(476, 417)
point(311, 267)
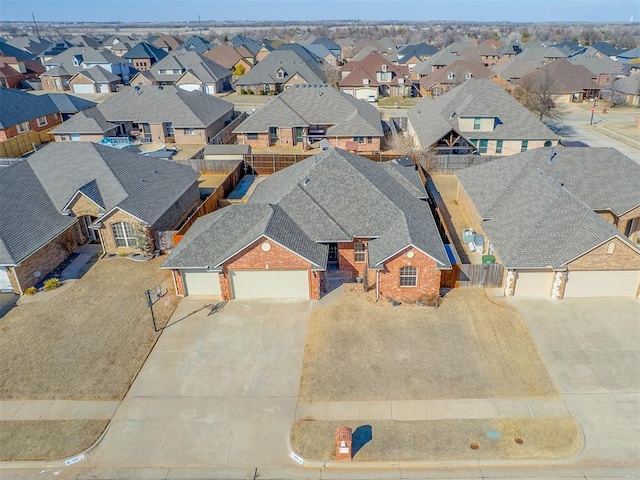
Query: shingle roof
point(99, 75)
point(195, 44)
point(606, 49)
point(241, 41)
point(31, 44)
point(86, 55)
point(368, 68)
point(597, 65)
point(157, 104)
point(304, 105)
point(629, 85)
point(226, 55)
point(327, 43)
point(431, 119)
point(292, 58)
point(7, 50)
point(17, 107)
point(564, 77)
point(85, 122)
point(602, 178)
point(515, 68)
point(460, 69)
point(540, 53)
point(145, 50)
point(418, 50)
point(202, 67)
point(67, 103)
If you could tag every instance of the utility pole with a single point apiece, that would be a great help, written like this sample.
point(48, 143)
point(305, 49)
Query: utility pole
point(35, 25)
point(199, 27)
point(593, 109)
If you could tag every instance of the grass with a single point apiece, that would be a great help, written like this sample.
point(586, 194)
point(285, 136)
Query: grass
point(469, 347)
point(88, 339)
point(47, 439)
point(440, 440)
point(391, 102)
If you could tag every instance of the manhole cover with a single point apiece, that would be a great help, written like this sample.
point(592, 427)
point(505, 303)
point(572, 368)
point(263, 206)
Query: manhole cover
point(474, 446)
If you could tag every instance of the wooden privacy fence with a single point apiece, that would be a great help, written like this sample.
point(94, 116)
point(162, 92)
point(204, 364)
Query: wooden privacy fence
point(268, 163)
point(203, 165)
point(451, 163)
point(224, 135)
point(211, 203)
point(487, 275)
point(22, 144)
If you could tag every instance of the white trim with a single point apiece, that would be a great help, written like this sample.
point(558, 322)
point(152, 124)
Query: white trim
point(620, 237)
point(106, 214)
point(419, 249)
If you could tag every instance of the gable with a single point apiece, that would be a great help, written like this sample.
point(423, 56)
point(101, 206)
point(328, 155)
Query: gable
point(81, 205)
point(624, 257)
point(188, 78)
point(256, 257)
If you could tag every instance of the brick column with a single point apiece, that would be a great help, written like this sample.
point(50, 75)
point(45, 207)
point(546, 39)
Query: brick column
point(344, 436)
point(510, 283)
point(559, 282)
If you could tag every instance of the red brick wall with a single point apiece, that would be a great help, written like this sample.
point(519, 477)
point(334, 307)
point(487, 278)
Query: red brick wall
point(346, 258)
point(278, 258)
point(177, 277)
point(12, 131)
point(428, 276)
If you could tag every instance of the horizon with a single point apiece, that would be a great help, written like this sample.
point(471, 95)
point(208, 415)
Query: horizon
point(157, 11)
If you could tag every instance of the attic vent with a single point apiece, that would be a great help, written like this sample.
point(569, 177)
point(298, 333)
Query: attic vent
point(160, 87)
point(452, 114)
point(305, 182)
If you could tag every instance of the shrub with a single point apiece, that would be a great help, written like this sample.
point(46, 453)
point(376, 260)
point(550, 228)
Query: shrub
point(262, 92)
point(30, 291)
point(243, 91)
point(251, 92)
point(430, 300)
point(51, 283)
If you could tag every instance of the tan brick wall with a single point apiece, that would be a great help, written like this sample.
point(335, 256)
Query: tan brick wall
point(261, 142)
point(80, 80)
point(49, 85)
point(623, 258)
point(177, 278)
point(428, 276)
point(199, 137)
point(83, 206)
point(48, 257)
point(374, 146)
point(278, 258)
point(285, 137)
point(623, 219)
point(157, 132)
point(106, 231)
point(608, 216)
point(511, 147)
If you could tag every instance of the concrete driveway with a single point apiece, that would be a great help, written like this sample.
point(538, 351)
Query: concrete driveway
point(591, 348)
point(216, 391)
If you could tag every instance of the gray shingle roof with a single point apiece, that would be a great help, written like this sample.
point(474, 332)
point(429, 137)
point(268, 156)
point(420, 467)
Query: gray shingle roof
point(67, 103)
point(85, 55)
point(145, 50)
point(597, 65)
point(100, 75)
point(157, 104)
point(85, 122)
point(205, 69)
point(304, 105)
point(515, 68)
point(292, 58)
point(540, 224)
point(431, 119)
point(17, 107)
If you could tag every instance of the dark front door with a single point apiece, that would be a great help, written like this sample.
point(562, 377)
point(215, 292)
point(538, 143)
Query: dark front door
point(333, 252)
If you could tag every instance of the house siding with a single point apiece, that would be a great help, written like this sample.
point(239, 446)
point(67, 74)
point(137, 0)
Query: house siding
point(84, 137)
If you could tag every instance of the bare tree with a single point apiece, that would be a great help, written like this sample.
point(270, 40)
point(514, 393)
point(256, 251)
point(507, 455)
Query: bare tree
point(405, 147)
point(332, 74)
point(535, 92)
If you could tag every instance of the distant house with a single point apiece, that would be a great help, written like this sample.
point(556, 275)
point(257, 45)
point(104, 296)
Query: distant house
point(143, 55)
point(374, 77)
point(67, 194)
point(330, 45)
point(437, 61)
point(168, 43)
point(477, 116)
point(249, 43)
point(94, 80)
point(14, 72)
point(306, 115)
point(239, 60)
point(323, 52)
point(22, 112)
point(161, 114)
point(69, 105)
point(188, 70)
point(264, 50)
point(602, 68)
point(444, 79)
point(32, 44)
point(287, 65)
point(195, 44)
point(111, 41)
point(629, 87)
point(608, 50)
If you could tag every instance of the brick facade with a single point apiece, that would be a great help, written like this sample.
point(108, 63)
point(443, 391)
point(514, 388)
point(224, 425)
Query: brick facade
point(622, 258)
point(286, 139)
point(11, 131)
point(428, 282)
point(106, 231)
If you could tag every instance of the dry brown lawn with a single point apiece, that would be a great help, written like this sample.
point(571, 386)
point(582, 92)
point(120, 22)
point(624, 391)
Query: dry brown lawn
point(47, 439)
point(439, 440)
point(86, 342)
point(469, 347)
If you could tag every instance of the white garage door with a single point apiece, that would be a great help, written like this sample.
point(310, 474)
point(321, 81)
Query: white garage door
point(534, 283)
point(201, 282)
point(5, 283)
point(617, 283)
point(83, 88)
point(104, 88)
point(190, 87)
point(270, 283)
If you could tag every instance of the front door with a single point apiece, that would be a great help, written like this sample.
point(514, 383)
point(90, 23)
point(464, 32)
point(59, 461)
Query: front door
point(333, 252)
point(89, 234)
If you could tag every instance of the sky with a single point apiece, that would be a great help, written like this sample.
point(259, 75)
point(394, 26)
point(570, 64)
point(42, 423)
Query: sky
point(598, 11)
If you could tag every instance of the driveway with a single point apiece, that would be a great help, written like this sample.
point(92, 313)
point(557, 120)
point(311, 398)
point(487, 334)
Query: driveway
point(591, 348)
point(217, 390)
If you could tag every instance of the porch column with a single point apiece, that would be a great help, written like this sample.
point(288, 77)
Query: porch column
point(510, 283)
point(559, 282)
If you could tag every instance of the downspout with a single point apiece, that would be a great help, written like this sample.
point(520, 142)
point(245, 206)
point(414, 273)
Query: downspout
point(377, 285)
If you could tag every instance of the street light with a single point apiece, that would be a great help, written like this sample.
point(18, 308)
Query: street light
point(593, 109)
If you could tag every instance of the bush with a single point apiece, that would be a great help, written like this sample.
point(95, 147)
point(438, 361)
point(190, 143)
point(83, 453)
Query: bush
point(30, 291)
point(430, 300)
point(51, 283)
point(262, 92)
point(243, 91)
point(251, 92)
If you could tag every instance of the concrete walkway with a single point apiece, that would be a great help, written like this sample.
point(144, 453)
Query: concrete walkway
point(78, 267)
point(56, 410)
point(411, 410)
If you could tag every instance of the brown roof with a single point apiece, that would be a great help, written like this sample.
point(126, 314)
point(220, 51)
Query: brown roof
point(227, 55)
point(168, 41)
point(564, 77)
point(492, 43)
point(460, 69)
point(368, 68)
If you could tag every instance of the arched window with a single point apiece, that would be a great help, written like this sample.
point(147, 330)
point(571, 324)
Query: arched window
point(124, 234)
point(408, 276)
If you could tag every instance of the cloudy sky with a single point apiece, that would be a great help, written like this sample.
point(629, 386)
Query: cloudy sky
point(418, 10)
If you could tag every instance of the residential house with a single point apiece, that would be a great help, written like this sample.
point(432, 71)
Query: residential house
point(239, 60)
point(514, 69)
point(565, 81)
point(264, 50)
point(188, 70)
point(111, 42)
point(121, 48)
point(143, 55)
point(69, 105)
point(543, 54)
point(375, 76)
point(7, 50)
point(22, 112)
point(84, 41)
point(288, 65)
point(67, 194)
point(608, 50)
point(168, 43)
point(420, 51)
point(558, 221)
point(195, 44)
point(437, 61)
point(629, 89)
point(442, 80)
point(55, 49)
point(603, 69)
point(333, 211)
point(94, 80)
point(323, 52)
point(14, 72)
point(310, 116)
point(31, 44)
point(478, 116)
point(330, 45)
point(62, 67)
point(510, 51)
point(249, 43)
point(160, 114)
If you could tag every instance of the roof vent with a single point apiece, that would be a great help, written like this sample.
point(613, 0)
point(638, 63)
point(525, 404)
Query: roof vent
point(452, 114)
point(160, 87)
point(305, 182)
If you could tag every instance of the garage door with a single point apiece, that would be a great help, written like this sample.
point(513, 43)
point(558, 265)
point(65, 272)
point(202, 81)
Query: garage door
point(201, 282)
point(534, 283)
point(190, 87)
point(618, 283)
point(270, 283)
point(83, 88)
point(5, 283)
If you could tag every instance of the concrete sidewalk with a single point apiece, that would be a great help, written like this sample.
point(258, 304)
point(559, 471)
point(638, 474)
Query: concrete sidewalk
point(56, 410)
point(78, 267)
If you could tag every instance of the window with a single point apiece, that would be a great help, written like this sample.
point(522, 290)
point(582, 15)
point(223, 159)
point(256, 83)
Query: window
point(63, 138)
point(525, 145)
point(280, 74)
point(23, 127)
point(252, 136)
point(359, 252)
point(54, 116)
point(124, 234)
point(189, 131)
point(358, 139)
point(42, 121)
point(468, 76)
point(369, 139)
point(169, 129)
point(408, 276)
point(483, 146)
point(476, 123)
point(450, 76)
point(498, 146)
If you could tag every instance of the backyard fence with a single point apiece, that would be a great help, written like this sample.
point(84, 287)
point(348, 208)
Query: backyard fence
point(24, 143)
point(225, 135)
point(452, 163)
point(489, 275)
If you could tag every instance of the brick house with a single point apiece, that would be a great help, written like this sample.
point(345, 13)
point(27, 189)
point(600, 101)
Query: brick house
point(334, 213)
point(143, 55)
point(562, 225)
point(307, 114)
point(22, 112)
point(94, 80)
point(67, 194)
point(150, 114)
point(478, 116)
point(375, 76)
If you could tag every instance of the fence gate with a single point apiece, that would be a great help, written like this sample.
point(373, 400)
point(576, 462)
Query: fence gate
point(487, 275)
